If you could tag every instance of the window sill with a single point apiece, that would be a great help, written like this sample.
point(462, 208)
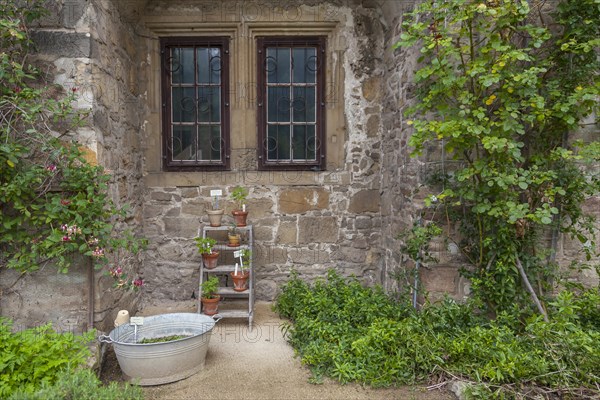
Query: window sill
point(246, 177)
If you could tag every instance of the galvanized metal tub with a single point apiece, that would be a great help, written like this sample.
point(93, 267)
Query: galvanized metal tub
point(164, 362)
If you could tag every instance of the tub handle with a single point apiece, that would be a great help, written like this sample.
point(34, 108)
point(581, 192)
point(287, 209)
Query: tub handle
point(217, 317)
point(104, 339)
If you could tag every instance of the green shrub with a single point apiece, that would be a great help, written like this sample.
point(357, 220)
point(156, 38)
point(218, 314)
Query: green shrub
point(81, 384)
point(352, 333)
point(35, 357)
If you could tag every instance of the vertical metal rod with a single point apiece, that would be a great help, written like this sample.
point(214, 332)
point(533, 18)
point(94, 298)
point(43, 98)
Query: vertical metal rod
point(417, 266)
point(91, 295)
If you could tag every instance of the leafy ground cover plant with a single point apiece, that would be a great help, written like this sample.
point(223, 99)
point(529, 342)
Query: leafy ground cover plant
point(349, 332)
point(32, 357)
point(42, 364)
point(81, 384)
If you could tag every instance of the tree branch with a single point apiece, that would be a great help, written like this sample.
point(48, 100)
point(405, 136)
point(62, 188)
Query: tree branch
point(530, 290)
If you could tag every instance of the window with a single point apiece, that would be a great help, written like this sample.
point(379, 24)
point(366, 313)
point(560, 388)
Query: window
point(291, 106)
point(195, 106)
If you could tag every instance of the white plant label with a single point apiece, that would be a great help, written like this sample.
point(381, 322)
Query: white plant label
point(237, 254)
point(136, 321)
point(217, 192)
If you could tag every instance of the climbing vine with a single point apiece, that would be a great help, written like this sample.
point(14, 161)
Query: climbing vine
point(54, 205)
point(504, 95)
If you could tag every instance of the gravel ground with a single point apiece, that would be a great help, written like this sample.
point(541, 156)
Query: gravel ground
point(257, 364)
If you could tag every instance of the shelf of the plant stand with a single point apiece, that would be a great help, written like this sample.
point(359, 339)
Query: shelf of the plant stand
point(225, 247)
point(234, 313)
point(220, 269)
point(229, 292)
point(227, 227)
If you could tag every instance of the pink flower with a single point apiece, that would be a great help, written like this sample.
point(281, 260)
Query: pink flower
point(66, 238)
point(65, 202)
point(98, 252)
point(51, 167)
point(138, 282)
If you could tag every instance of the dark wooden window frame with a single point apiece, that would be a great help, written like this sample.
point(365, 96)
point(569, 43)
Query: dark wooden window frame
point(262, 152)
point(166, 43)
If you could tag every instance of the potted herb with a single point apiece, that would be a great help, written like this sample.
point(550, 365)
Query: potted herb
point(239, 194)
point(240, 276)
point(233, 236)
point(216, 214)
point(205, 247)
point(210, 298)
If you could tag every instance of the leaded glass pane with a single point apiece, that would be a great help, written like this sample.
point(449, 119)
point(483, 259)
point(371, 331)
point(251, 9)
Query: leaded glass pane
point(304, 65)
point(209, 65)
point(278, 142)
point(278, 65)
point(183, 144)
point(303, 142)
point(182, 65)
point(304, 104)
point(209, 142)
point(183, 104)
point(209, 104)
point(278, 104)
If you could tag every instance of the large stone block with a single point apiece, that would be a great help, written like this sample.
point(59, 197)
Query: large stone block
point(264, 233)
point(371, 88)
point(298, 201)
point(72, 12)
point(259, 208)
point(364, 201)
point(181, 227)
point(266, 289)
point(309, 256)
point(164, 196)
point(267, 254)
point(317, 230)
point(63, 44)
point(287, 232)
point(440, 279)
point(194, 207)
point(373, 126)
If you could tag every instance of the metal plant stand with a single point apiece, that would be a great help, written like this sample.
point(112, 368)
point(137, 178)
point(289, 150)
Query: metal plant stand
point(224, 270)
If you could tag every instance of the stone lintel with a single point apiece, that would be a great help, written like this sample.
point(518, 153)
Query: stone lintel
point(63, 44)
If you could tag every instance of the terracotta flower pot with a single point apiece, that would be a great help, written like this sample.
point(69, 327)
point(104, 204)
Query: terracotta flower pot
point(239, 217)
point(210, 260)
point(234, 240)
point(210, 306)
point(215, 216)
point(240, 281)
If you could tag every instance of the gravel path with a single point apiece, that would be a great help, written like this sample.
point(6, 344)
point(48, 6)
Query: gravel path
point(259, 364)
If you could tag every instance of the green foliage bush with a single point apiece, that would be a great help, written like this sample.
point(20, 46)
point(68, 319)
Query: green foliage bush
point(352, 333)
point(504, 95)
point(81, 384)
point(33, 357)
point(54, 205)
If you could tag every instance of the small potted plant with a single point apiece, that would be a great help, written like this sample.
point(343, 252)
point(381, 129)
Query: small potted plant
point(233, 236)
point(239, 194)
point(240, 276)
point(205, 247)
point(210, 298)
point(216, 214)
